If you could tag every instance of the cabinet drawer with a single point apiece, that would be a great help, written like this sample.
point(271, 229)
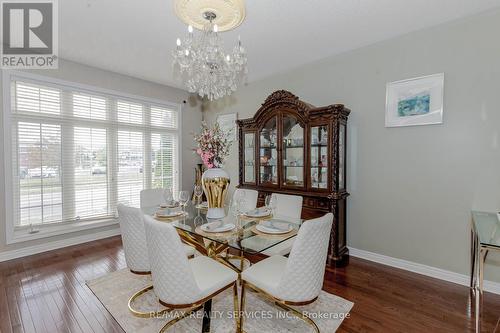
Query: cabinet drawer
point(310, 202)
point(323, 204)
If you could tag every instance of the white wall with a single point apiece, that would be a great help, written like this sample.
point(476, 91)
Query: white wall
point(411, 188)
point(74, 72)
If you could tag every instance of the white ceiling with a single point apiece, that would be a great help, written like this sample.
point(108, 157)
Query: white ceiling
point(136, 37)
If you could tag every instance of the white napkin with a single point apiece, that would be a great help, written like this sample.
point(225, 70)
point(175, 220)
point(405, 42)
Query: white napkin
point(258, 212)
point(274, 227)
point(217, 226)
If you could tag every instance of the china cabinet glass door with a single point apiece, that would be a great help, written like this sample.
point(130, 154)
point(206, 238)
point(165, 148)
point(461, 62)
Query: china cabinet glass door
point(293, 152)
point(319, 157)
point(269, 153)
point(249, 158)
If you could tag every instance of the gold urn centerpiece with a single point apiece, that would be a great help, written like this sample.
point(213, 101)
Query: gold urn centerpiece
point(213, 146)
point(215, 185)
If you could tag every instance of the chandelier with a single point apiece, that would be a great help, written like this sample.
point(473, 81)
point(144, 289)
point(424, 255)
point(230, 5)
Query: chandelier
point(200, 61)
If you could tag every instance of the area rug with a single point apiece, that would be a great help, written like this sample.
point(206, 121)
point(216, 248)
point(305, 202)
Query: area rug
point(114, 290)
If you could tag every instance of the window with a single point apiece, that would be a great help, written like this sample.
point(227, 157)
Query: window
point(77, 153)
point(40, 186)
point(90, 172)
point(130, 178)
point(163, 162)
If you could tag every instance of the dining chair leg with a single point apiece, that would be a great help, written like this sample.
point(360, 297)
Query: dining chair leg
point(299, 315)
point(236, 307)
point(278, 303)
point(242, 261)
point(142, 314)
point(242, 311)
point(187, 313)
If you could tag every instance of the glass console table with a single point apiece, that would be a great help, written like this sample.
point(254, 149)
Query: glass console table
point(485, 236)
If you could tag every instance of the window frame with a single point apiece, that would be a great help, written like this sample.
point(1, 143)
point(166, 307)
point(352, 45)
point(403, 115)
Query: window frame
point(53, 229)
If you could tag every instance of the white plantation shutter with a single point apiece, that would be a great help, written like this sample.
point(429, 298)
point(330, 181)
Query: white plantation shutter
point(39, 156)
point(77, 153)
point(87, 106)
point(91, 172)
point(164, 161)
point(35, 98)
point(130, 180)
point(162, 117)
point(129, 112)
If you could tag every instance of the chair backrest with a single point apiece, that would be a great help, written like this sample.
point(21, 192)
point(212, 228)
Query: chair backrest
point(133, 238)
point(173, 279)
point(250, 202)
point(288, 205)
point(152, 197)
point(305, 268)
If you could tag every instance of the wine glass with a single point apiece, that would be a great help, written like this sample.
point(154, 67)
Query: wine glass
point(235, 207)
point(267, 201)
point(198, 220)
point(198, 192)
point(183, 199)
point(168, 196)
point(273, 203)
point(239, 196)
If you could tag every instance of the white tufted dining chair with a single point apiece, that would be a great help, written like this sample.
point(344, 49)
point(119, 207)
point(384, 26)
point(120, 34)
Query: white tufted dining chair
point(288, 207)
point(250, 201)
point(134, 239)
point(297, 280)
point(180, 283)
point(152, 197)
point(135, 246)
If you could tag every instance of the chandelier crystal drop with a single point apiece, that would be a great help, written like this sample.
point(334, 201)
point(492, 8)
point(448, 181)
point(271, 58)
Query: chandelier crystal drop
point(200, 60)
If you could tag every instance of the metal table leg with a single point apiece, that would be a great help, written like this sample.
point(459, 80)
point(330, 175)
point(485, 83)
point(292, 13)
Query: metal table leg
point(207, 312)
point(473, 259)
point(482, 252)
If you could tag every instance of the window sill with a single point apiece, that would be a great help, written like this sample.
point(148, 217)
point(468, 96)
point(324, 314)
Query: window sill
point(53, 230)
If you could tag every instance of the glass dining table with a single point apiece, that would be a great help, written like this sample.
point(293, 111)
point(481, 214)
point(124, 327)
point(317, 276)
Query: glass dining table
point(243, 238)
point(229, 247)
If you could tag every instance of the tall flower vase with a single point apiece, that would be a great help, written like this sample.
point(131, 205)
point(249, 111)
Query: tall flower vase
point(215, 185)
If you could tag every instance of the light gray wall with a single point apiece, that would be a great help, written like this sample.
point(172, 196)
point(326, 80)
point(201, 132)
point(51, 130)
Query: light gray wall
point(411, 188)
point(74, 72)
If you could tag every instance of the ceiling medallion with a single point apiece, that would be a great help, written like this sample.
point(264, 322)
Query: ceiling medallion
point(199, 58)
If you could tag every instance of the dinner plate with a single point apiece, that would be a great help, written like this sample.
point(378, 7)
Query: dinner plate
point(217, 226)
point(274, 227)
point(171, 204)
point(168, 213)
point(258, 213)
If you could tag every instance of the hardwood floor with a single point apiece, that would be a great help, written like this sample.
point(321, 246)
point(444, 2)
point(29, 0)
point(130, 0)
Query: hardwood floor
point(47, 293)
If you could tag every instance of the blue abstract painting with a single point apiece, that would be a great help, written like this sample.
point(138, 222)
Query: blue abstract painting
point(414, 105)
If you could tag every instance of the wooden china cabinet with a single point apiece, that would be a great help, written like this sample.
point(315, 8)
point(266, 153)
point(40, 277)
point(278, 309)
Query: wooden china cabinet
point(292, 147)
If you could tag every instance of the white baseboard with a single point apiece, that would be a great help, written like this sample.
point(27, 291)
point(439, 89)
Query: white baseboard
point(54, 245)
point(438, 273)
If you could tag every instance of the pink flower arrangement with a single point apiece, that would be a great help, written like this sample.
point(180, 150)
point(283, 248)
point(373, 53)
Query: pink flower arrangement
point(213, 145)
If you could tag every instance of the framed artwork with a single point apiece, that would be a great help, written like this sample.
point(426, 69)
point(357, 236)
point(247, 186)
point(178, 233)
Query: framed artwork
point(227, 122)
point(417, 101)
